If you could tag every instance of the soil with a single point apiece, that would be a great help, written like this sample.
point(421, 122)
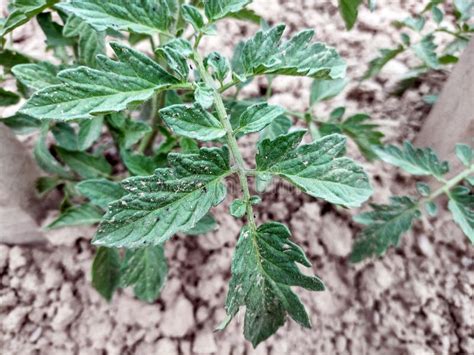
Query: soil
point(415, 300)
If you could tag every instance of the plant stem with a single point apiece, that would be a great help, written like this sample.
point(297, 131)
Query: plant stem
point(450, 184)
point(147, 141)
point(231, 141)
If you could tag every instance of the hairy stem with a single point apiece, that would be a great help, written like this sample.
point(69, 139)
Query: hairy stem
point(231, 141)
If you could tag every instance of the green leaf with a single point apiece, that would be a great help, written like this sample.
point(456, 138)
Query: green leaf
point(53, 31)
point(192, 15)
point(423, 188)
point(8, 98)
point(89, 132)
point(139, 16)
point(45, 159)
point(426, 51)
point(322, 90)
point(376, 65)
point(146, 270)
point(237, 208)
point(415, 161)
point(264, 268)
point(465, 154)
point(365, 135)
point(10, 58)
point(77, 216)
point(266, 54)
point(36, 76)
point(216, 9)
point(21, 124)
point(106, 271)
point(22, 11)
point(431, 208)
point(205, 225)
point(175, 53)
point(349, 11)
point(437, 14)
point(384, 226)
point(125, 130)
point(192, 122)
point(316, 168)
point(46, 184)
point(219, 64)
point(101, 192)
point(172, 200)
point(91, 42)
point(415, 23)
point(461, 205)
point(139, 164)
point(465, 8)
point(85, 165)
point(204, 95)
point(257, 117)
point(65, 136)
point(279, 126)
point(337, 114)
point(86, 92)
point(247, 15)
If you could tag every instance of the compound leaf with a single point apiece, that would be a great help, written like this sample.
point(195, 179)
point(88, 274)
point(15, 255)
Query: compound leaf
point(216, 9)
point(138, 16)
point(172, 200)
point(264, 268)
point(193, 122)
point(266, 54)
point(86, 92)
point(257, 117)
point(384, 226)
point(416, 161)
point(145, 269)
point(101, 192)
point(106, 271)
point(461, 205)
point(37, 76)
point(316, 168)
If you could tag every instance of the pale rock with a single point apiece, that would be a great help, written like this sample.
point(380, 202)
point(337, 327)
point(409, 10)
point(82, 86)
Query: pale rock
point(204, 343)
point(3, 256)
point(336, 236)
point(178, 319)
point(166, 347)
point(209, 288)
point(202, 314)
point(171, 290)
point(17, 258)
point(7, 300)
point(418, 349)
point(65, 314)
point(185, 347)
point(36, 334)
point(425, 246)
point(52, 278)
point(13, 321)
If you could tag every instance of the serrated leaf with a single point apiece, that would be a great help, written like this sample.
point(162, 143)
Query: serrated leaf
point(216, 9)
point(125, 130)
point(364, 134)
point(237, 208)
point(146, 270)
point(465, 154)
point(219, 64)
point(316, 168)
point(192, 122)
point(8, 98)
point(77, 216)
point(205, 225)
point(426, 51)
point(415, 23)
point(21, 124)
point(106, 271)
point(89, 132)
point(264, 53)
point(37, 76)
point(85, 165)
point(322, 90)
point(86, 92)
point(376, 64)
point(172, 200)
point(22, 11)
point(139, 16)
point(384, 226)
point(264, 268)
point(461, 205)
point(100, 192)
point(192, 15)
point(257, 117)
point(349, 11)
point(53, 31)
point(204, 95)
point(416, 161)
point(91, 42)
point(175, 53)
point(141, 165)
point(279, 126)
